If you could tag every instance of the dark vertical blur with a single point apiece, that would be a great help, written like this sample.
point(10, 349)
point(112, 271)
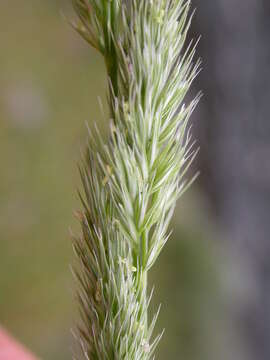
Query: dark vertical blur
point(234, 129)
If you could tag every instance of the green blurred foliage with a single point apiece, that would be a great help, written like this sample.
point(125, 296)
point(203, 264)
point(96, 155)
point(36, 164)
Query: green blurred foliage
point(49, 83)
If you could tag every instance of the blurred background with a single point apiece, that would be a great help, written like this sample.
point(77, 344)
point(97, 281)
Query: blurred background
point(213, 278)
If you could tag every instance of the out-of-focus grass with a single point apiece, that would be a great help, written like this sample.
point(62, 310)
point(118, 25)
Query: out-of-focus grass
point(49, 83)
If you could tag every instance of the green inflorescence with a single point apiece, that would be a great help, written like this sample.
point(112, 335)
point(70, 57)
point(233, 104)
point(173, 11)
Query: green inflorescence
point(132, 181)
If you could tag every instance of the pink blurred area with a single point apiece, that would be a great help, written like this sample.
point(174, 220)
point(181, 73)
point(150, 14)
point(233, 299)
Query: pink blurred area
point(11, 350)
